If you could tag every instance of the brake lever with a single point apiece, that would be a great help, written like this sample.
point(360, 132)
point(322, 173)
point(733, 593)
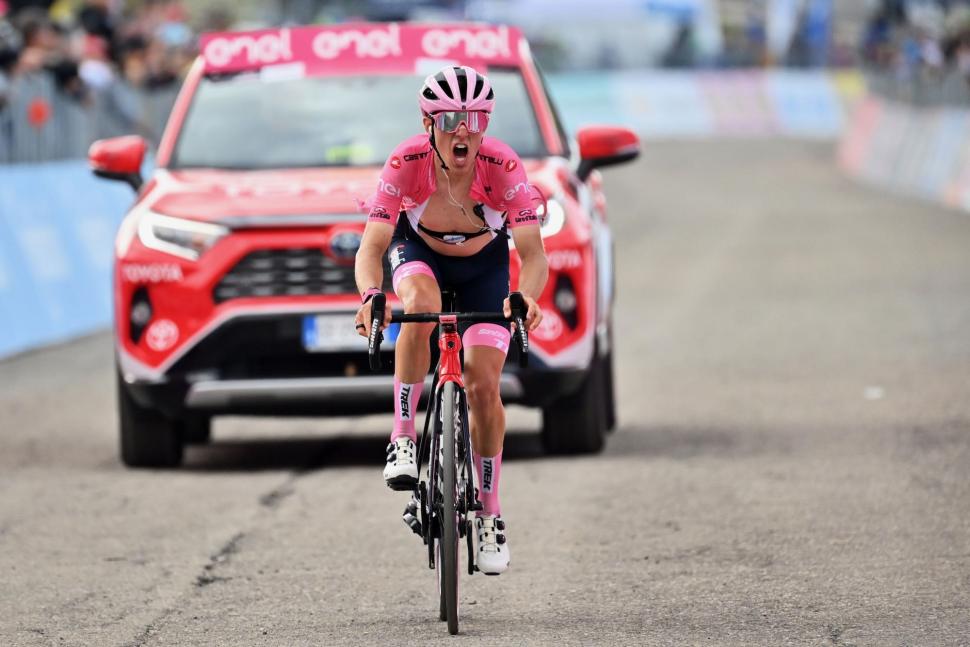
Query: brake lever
point(378, 305)
point(519, 311)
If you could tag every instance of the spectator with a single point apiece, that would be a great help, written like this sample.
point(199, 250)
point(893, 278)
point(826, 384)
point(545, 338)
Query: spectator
point(96, 19)
point(45, 49)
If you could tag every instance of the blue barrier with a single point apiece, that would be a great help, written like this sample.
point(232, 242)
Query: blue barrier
point(57, 227)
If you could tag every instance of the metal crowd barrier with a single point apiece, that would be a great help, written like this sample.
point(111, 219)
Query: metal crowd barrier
point(41, 123)
point(923, 89)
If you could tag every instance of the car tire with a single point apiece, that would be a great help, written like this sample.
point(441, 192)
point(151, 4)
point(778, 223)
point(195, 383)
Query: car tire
point(609, 395)
point(197, 430)
point(576, 422)
point(148, 439)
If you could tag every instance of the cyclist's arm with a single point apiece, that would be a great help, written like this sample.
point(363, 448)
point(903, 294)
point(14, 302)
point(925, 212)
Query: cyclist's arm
point(368, 265)
point(369, 269)
point(534, 271)
point(523, 223)
point(383, 210)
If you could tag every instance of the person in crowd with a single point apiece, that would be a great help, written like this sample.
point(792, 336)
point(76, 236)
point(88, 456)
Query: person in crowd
point(46, 49)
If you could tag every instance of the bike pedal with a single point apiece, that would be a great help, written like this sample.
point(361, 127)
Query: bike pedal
point(402, 483)
point(410, 518)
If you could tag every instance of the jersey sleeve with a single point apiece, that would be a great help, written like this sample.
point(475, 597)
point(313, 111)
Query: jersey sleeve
point(395, 181)
point(515, 191)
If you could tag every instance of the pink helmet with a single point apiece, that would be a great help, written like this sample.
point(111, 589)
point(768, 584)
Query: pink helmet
point(456, 88)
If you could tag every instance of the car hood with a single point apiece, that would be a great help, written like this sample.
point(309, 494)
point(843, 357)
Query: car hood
point(205, 194)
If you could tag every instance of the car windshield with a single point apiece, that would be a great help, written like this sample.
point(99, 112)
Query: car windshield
point(251, 121)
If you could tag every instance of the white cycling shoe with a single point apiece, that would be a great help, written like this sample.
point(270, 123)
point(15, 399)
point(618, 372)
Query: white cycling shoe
point(493, 547)
point(401, 471)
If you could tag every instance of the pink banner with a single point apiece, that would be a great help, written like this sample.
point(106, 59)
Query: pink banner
point(857, 140)
point(359, 47)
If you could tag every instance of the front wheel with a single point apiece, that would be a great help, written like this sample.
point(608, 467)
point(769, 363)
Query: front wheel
point(447, 561)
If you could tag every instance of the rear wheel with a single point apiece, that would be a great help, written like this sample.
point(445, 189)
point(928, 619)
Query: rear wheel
point(448, 545)
point(148, 438)
point(576, 422)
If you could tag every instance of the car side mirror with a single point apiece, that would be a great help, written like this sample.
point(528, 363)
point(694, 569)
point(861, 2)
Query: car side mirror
point(604, 146)
point(119, 158)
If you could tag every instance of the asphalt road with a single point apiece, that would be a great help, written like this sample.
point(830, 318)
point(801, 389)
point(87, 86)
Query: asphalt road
point(792, 467)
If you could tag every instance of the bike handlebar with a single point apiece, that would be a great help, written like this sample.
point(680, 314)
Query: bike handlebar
point(379, 306)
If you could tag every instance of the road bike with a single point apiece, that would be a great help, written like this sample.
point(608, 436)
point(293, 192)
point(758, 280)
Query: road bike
point(441, 504)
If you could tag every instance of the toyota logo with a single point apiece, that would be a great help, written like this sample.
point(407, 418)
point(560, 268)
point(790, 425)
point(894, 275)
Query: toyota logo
point(345, 244)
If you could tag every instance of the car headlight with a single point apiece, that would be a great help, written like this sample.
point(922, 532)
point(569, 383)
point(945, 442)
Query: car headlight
point(178, 236)
point(553, 217)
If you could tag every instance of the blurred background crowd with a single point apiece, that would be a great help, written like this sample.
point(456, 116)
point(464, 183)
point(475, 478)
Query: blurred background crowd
point(116, 64)
point(918, 51)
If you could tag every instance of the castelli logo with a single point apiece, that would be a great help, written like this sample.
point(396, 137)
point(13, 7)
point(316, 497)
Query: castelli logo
point(510, 166)
point(484, 43)
point(376, 43)
point(395, 162)
point(267, 49)
point(162, 335)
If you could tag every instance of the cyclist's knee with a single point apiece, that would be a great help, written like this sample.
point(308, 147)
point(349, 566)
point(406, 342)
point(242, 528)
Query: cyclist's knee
point(483, 390)
point(422, 298)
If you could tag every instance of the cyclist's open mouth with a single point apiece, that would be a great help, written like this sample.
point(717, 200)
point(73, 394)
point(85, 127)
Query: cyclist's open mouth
point(460, 153)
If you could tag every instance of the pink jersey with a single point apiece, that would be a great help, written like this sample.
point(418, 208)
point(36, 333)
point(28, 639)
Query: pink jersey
point(408, 180)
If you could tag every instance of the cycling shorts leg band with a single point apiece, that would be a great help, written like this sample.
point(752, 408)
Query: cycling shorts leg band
point(411, 269)
point(487, 334)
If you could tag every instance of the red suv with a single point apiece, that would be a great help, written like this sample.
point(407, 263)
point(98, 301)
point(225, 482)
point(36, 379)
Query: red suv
point(234, 284)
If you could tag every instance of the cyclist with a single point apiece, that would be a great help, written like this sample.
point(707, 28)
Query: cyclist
point(463, 195)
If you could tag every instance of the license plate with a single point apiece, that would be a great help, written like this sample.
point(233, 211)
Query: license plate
point(323, 333)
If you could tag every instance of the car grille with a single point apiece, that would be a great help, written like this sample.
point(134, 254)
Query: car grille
point(289, 272)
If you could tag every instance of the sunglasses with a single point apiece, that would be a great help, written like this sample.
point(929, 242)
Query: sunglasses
point(475, 121)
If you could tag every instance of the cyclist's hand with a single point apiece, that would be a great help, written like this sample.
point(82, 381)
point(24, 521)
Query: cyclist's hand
point(364, 318)
point(533, 315)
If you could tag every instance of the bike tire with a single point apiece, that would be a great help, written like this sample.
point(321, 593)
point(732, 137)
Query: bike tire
point(448, 547)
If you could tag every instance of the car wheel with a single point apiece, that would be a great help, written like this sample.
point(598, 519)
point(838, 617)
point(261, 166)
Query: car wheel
point(576, 422)
point(148, 439)
point(197, 430)
point(609, 396)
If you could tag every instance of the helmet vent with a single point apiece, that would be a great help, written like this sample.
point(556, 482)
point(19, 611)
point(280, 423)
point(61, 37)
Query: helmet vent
point(462, 83)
